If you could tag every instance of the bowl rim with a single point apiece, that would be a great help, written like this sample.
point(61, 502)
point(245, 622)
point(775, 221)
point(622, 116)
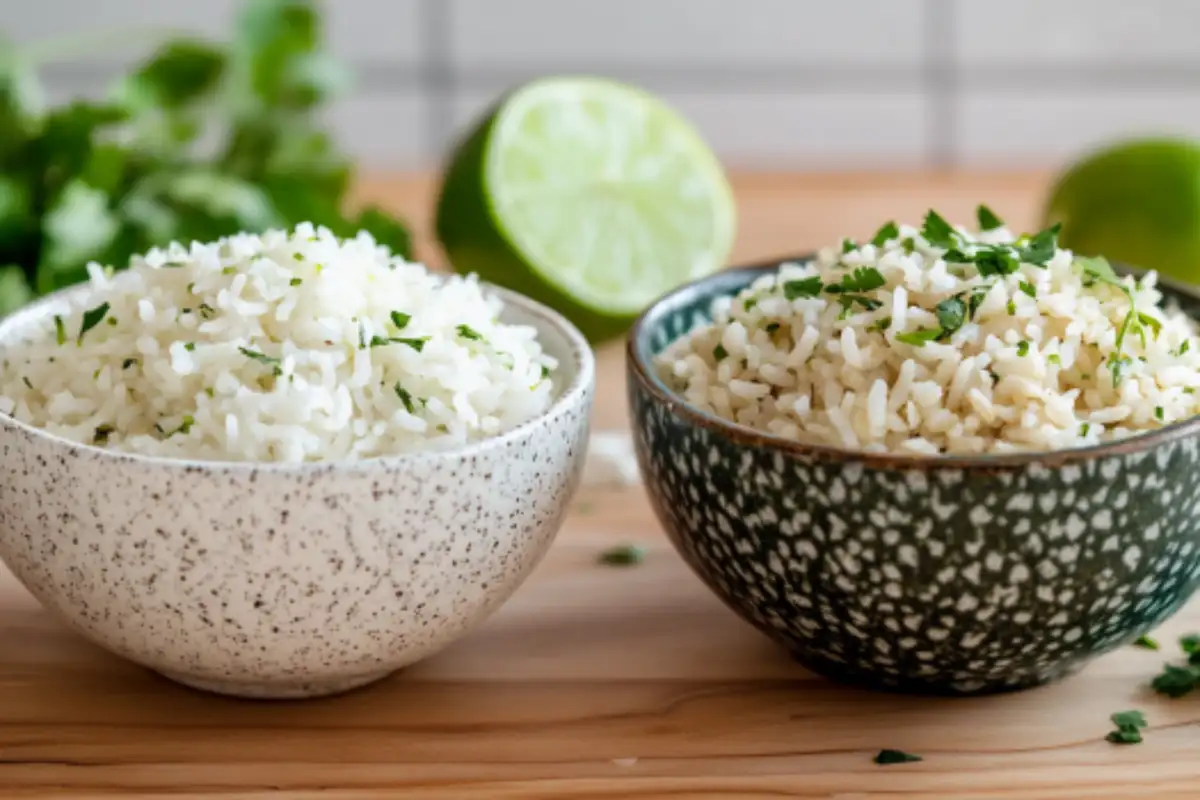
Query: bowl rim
point(568, 397)
point(638, 366)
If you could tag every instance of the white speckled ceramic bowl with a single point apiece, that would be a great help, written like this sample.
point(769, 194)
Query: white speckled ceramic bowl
point(270, 580)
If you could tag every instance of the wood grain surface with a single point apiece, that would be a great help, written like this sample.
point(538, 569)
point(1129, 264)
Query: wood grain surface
point(594, 681)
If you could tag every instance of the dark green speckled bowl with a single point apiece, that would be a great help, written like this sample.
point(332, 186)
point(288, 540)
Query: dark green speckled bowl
point(948, 575)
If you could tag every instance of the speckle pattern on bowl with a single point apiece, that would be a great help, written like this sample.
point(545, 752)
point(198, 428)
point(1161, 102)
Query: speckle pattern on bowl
point(289, 581)
point(951, 576)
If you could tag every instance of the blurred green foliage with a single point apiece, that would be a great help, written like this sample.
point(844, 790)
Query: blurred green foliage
point(101, 181)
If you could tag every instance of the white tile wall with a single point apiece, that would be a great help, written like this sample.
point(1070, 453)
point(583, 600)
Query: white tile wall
point(678, 33)
point(807, 84)
point(384, 130)
point(1077, 32)
point(389, 31)
point(1023, 127)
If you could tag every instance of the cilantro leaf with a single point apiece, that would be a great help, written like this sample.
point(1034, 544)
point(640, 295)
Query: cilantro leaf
point(996, 261)
point(1146, 643)
point(405, 398)
point(1041, 246)
point(937, 231)
point(885, 234)
point(1176, 681)
point(988, 221)
point(919, 337)
point(91, 318)
point(623, 556)
point(808, 287)
point(951, 314)
point(863, 279)
point(885, 757)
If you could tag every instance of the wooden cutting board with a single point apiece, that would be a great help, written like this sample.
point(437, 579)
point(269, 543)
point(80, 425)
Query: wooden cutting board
point(594, 681)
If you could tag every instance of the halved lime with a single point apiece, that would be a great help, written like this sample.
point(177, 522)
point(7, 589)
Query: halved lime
point(586, 194)
point(1136, 202)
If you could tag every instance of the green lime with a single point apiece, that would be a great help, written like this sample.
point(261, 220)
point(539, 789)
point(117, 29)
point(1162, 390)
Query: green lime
point(588, 195)
point(1137, 203)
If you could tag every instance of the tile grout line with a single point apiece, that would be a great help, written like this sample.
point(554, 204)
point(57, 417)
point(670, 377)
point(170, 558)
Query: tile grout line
point(941, 84)
point(436, 76)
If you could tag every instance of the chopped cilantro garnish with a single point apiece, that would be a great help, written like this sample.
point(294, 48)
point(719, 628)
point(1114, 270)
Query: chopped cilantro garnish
point(1117, 364)
point(400, 319)
point(545, 372)
point(191, 288)
point(885, 234)
point(909, 246)
point(1041, 246)
point(190, 346)
point(1177, 681)
point(847, 302)
point(1159, 414)
point(1084, 428)
point(102, 433)
point(808, 287)
point(417, 343)
point(208, 390)
point(951, 314)
point(378, 341)
point(937, 231)
point(25, 379)
point(295, 281)
point(467, 332)
point(975, 299)
point(91, 318)
point(1129, 727)
point(1146, 643)
point(298, 256)
point(848, 246)
point(60, 330)
point(1022, 348)
point(896, 757)
point(1183, 348)
point(749, 303)
point(996, 261)
point(1028, 288)
point(919, 337)
point(1054, 359)
point(405, 398)
point(623, 556)
point(184, 426)
point(262, 358)
point(863, 279)
point(771, 327)
point(1011, 307)
point(111, 322)
point(988, 221)
point(229, 270)
point(129, 362)
point(880, 325)
point(174, 264)
point(1147, 321)
point(720, 353)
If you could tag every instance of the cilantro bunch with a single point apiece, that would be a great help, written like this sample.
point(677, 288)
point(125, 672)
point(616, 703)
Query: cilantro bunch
point(201, 140)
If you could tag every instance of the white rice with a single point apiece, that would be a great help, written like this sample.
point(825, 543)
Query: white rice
point(290, 346)
point(1032, 369)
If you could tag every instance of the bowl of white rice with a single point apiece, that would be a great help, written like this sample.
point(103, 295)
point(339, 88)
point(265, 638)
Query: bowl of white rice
point(946, 460)
point(288, 464)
